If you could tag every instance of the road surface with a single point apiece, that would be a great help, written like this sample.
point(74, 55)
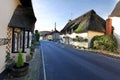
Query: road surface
point(60, 62)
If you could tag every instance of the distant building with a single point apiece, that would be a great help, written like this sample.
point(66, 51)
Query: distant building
point(55, 35)
point(43, 35)
point(85, 27)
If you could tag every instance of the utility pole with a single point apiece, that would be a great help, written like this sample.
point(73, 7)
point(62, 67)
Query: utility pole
point(55, 26)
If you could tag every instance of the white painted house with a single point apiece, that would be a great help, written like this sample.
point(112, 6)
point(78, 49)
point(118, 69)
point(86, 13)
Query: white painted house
point(115, 16)
point(7, 8)
point(55, 35)
point(50, 35)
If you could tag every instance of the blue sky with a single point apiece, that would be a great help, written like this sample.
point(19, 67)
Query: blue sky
point(48, 12)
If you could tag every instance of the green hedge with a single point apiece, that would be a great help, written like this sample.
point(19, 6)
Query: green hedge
point(80, 39)
point(104, 42)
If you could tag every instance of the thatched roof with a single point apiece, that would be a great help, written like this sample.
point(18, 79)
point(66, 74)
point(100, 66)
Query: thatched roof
point(116, 11)
point(88, 21)
point(26, 3)
point(23, 17)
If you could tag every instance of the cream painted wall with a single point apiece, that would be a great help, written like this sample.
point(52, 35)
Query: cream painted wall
point(91, 34)
point(7, 8)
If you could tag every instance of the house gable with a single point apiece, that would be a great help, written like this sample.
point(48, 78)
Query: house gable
point(116, 11)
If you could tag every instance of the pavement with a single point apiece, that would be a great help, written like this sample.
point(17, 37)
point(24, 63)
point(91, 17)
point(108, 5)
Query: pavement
point(62, 62)
point(34, 68)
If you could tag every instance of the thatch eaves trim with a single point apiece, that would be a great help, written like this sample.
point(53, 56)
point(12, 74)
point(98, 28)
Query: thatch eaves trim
point(23, 17)
point(26, 3)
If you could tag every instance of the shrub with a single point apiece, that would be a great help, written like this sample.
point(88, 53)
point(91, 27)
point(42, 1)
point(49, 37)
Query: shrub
point(104, 42)
point(20, 61)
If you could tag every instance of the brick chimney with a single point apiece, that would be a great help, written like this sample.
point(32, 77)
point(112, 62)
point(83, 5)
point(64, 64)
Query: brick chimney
point(109, 28)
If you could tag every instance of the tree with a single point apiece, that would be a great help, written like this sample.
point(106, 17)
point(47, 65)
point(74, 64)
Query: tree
point(37, 35)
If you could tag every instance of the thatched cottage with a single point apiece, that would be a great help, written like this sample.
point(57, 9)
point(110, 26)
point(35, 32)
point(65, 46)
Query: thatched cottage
point(6, 12)
point(17, 24)
point(21, 26)
point(86, 27)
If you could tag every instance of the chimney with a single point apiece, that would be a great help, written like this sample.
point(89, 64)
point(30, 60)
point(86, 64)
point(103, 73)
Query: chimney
point(109, 29)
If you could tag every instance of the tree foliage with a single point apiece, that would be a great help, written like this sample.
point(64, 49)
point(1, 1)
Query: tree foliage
point(37, 35)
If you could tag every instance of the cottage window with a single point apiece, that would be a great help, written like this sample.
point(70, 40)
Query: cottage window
point(15, 42)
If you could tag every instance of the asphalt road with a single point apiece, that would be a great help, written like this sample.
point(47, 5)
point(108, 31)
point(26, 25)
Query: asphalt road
point(61, 62)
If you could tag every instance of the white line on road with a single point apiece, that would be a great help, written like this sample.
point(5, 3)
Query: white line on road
point(44, 71)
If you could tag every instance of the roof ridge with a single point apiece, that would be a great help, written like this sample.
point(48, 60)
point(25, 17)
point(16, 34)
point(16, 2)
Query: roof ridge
point(89, 12)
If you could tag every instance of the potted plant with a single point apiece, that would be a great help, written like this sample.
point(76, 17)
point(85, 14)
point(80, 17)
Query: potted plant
point(20, 68)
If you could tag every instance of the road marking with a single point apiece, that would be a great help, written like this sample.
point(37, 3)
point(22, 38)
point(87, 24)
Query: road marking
point(44, 71)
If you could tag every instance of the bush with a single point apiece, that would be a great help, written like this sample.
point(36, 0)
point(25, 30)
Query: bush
point(104, 42)
point(20, 61)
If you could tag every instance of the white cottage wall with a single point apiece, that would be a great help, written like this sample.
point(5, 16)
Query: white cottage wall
point(7, 8)
point(116, 25)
